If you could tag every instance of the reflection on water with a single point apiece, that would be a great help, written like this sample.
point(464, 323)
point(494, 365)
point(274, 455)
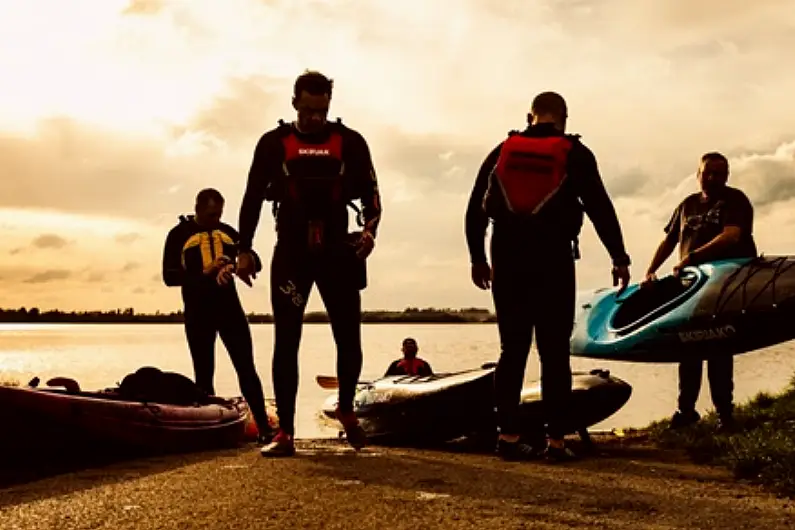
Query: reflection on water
point(100, 355)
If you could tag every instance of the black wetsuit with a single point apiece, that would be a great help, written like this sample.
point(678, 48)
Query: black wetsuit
point(534, 278)
point(211, 309)
point(694, 223)
point(312, 179)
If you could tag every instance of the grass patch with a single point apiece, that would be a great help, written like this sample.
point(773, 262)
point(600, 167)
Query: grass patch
point(761, 449)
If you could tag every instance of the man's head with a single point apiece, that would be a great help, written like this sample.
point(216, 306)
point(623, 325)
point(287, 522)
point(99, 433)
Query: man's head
point(409, 347)
point(549, 107)
point(209, 207)
point(311, 99)
point(713, 173)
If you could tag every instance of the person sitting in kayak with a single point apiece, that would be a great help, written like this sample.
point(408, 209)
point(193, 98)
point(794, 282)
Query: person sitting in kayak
point(535, 186)
point(715, 223)
point(410, 364)
point(199, 256)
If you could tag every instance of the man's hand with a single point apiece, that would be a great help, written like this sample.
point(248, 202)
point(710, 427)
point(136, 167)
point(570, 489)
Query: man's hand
point(219, 263)
point(365, 244)
point(481, 275)
point(245, 267)
point(621, 272)
point(682, 264)
point(648, 280)
point(225, 274)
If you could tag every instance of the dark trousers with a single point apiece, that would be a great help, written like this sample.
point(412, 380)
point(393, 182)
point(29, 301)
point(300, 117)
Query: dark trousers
point(533, 292)
point(223, 315)
point(294, 270)
point(720, 373)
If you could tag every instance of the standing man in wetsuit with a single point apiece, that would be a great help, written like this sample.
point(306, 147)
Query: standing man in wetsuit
point(410, 364)
point(199, 256)
point(715, 223)
point(535, 186)
point(311, 170)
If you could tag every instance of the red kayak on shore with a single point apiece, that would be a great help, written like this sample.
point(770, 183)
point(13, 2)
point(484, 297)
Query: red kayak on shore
point(116, 421)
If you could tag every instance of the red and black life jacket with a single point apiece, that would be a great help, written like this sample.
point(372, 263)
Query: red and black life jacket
point(411, 366)
point(314, 173)
point(531, 170)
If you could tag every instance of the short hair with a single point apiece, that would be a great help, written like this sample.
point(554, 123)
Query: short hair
point(313, 82)
point(549, 103)
point(409, 340)
point(206, 195)
point(714, 156)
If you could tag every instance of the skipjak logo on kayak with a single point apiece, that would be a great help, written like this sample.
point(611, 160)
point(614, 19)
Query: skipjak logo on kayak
point(723, 332)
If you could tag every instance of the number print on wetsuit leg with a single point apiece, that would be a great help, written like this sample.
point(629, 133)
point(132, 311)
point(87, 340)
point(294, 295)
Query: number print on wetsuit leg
point(291, 290)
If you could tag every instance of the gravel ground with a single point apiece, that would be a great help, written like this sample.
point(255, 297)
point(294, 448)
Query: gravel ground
point(628, 484)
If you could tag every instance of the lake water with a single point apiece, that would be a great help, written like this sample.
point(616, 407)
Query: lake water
point(100, 355)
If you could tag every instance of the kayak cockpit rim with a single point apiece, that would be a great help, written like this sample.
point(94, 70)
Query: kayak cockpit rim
point(696, 277)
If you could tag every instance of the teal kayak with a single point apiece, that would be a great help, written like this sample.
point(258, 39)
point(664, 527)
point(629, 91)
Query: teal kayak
point(725, 307)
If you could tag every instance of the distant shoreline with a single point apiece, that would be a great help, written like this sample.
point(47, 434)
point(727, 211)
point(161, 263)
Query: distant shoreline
point(129, 316)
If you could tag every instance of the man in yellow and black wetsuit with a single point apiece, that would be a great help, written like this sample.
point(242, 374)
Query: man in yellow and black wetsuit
point(199, 256)
point(311, 170)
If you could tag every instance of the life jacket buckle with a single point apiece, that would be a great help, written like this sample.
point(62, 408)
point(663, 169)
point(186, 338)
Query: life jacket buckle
point(315, 235)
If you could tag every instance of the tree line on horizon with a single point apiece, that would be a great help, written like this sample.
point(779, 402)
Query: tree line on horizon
point(129, 315)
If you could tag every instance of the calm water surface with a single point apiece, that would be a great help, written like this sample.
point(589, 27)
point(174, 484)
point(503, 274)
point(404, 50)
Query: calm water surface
point(100, 355)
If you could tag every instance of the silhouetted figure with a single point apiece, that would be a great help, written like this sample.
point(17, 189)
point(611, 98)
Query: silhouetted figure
point(535, 187)
point(200, 256)
point(311, 170)
point(715, 223)
point(410, 364)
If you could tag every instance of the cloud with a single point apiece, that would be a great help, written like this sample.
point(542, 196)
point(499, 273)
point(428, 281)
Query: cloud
point(127, 238)
point(131, 266)
point(48, 276)
point(148, 109)
point(426, 167)
point(767, 178)
point(46, 241)
point(237, 115)
point(628, 184)
point(144, 7)
point(101, 172)
point(96, 277)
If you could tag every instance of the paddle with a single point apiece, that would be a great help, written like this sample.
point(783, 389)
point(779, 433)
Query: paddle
point(329, 382)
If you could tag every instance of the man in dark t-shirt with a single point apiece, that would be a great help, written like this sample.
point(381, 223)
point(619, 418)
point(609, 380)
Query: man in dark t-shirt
point(714, 224)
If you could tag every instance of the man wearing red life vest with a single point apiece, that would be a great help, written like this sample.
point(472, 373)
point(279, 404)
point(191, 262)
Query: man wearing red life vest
point(312, 170)
point(410, 364)
point(535, 186)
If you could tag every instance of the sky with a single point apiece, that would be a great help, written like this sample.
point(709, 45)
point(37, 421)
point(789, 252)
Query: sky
point(114, 113)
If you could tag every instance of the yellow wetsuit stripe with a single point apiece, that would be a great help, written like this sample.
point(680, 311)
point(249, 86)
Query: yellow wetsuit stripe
point(202, 241)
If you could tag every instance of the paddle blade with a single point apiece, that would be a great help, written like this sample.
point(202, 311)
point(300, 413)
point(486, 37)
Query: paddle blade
point(330, 382)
